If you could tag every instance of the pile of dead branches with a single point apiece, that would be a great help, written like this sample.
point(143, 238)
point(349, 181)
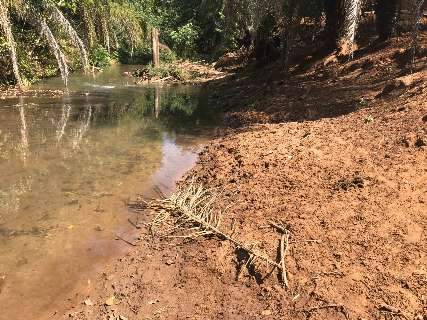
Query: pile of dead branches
point(190, 213)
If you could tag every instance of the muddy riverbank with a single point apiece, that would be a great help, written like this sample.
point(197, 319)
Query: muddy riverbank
point(338, 153)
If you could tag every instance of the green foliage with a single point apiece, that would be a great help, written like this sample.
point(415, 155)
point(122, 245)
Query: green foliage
point(191, 28)
point(143, 55)
point(127, 23)
point(166, 70)
point(184, 39)
point(4, 47)
point(140, 55)
point(167, 56)
point(99, 57)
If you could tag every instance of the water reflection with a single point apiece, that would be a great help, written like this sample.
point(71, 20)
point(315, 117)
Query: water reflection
point(24, 134)
point(62, 123)
point(66, 166)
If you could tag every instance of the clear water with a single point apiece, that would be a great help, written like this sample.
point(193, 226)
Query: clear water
point(68, 165)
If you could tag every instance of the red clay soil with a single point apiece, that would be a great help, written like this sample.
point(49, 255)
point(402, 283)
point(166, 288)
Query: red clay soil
point(340, 157)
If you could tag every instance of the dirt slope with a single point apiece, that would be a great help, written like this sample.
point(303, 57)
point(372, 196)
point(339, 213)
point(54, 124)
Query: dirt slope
point(339, 154)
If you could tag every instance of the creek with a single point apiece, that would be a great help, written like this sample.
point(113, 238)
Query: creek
point(68, 166)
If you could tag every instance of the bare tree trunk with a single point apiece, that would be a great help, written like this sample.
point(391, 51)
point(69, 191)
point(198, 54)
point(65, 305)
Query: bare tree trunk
point(334, 22)
point(351, 23)
point(7, 28)
point(287, 34)
point(416, 12)
point(155, 45)
point(386, 12)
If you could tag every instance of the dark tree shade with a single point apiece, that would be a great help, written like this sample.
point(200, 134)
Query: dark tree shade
point(386, 12)
point(335, 18)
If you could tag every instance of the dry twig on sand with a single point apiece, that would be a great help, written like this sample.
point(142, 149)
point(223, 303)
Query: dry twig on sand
point(118, 237)
point(284, 246)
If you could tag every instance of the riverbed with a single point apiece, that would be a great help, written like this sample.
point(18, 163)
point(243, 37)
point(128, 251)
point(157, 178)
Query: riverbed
point(70, 164)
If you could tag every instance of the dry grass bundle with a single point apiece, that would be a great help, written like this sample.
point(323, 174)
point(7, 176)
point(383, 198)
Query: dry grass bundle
point(190, 213)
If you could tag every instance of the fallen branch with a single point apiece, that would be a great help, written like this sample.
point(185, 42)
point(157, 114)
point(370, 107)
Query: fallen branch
point(191, 208)
point(134, 224)
point(284, 244)
point(125, 241)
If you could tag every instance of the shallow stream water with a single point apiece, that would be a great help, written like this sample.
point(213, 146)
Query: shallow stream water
point(69, 164)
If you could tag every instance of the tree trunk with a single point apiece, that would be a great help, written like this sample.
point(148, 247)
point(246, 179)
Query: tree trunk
point(335, 17)
point(386, 12)
point(352, 16)
point(155, 45)
point(416, 14)
point(287, 35)
point(342, 19)
point(7, 28)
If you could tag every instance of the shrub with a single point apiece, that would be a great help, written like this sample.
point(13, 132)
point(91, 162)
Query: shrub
point(184, 39)
point(99, 57)
point(163, 71)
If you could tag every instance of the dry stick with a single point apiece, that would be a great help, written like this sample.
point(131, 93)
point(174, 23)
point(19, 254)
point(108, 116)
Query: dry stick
point(284, 244)
point(126, 241)
point(280, 228)
point(134, 224)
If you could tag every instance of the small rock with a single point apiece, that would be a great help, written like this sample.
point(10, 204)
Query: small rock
point(369, 119)
point(266, 313)
point(170, 262)
point(73, 202)
point(405, 81)
point(406, 142)
point(424, 119)
point(401, 109)
point(122, 318)
point(331, 60)
point(110, 301)
point(88, 302)
point(420, 142)
point(388, 88)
